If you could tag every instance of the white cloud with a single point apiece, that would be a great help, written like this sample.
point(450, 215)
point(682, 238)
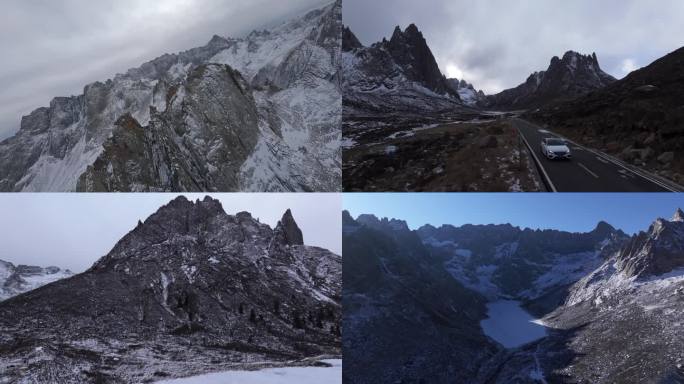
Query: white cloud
point(628, 66)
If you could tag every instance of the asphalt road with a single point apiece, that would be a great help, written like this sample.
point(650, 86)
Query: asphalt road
point(588, 171)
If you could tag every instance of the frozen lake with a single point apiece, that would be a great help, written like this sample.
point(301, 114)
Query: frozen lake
point(511, 325)
point(293, 375)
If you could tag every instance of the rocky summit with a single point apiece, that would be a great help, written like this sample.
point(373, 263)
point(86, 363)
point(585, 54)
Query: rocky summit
point(400, 74)
point(259, 113)
point(188, 291)
point(568, 77)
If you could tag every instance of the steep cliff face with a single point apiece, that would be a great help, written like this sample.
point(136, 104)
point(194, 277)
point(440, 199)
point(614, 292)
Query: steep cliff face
point(396, 75)
point(272, 115)
point(188, 286)
point(198, 143)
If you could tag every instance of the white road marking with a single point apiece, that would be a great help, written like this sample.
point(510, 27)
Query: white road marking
point(534, 154)
point(543, 131)
point(599, 158)
point(632, 172)
point(588, 170)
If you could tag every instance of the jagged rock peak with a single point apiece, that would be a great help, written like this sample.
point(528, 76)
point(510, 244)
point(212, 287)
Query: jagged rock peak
point(604, 228)
point(385, 224)
point(288, 225)
point(678, 216)
point(349, 40)
point(181, 207)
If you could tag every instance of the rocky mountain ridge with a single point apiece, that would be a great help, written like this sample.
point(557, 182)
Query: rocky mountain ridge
point(568, 77)
point(190, 290)
point(260, 113)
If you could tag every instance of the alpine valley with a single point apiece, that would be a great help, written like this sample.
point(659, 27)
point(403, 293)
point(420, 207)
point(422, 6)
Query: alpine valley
point(191, 290)
point(259, 113)
point(608, 306)
point(407, 127)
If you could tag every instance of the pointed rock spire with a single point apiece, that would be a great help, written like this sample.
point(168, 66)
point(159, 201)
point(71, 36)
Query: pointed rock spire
point(678, 216)
point(293, 235)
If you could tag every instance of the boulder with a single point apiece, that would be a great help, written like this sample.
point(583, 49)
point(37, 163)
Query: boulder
point(666, 157)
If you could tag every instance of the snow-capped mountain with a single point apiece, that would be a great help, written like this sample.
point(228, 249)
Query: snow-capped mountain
point(259, 113)
point(502, 260)
point(190, 290)
point(15, 280)
point(400, 74)
point(467, 92)
point(572, 76)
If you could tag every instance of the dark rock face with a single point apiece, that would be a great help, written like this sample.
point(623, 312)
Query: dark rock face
point(427, 320)
point(410, 50)
point(215, 107)
point(189, 285)
point(349, 40)
point(637, 118)
point(572, 76)
point(293, 235)
point(396, 75)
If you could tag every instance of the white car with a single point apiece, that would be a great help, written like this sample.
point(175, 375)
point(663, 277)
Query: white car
point(554, 148)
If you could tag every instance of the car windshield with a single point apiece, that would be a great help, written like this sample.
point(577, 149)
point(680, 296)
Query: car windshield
point(555, 142)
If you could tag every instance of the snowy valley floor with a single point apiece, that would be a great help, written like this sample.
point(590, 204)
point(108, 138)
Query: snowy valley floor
point(291, 375)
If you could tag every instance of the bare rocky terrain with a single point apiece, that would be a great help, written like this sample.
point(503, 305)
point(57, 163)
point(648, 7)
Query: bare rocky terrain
point(190, 290)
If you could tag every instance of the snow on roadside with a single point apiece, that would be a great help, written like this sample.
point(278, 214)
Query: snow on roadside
point(290, 375)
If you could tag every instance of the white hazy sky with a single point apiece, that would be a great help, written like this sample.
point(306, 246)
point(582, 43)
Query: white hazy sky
point(54, 48)
point(497, 44)
point(75, 230)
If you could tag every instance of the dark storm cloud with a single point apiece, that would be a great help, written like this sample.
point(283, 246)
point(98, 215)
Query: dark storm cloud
point(54, 48)
point(497, 44)
point(75, 230)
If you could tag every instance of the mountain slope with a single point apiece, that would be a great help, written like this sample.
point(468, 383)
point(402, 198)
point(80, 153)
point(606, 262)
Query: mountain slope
point(15, 280)
point(190, 290)
point(572, 76)
point(398, 298)
point(396, 75)
point(624, 317)
point(273, 115)
point(639, 119)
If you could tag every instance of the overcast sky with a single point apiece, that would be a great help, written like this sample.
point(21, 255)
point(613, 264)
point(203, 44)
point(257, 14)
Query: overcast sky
point(497, 44)
point(54, 48)
point(75, 230)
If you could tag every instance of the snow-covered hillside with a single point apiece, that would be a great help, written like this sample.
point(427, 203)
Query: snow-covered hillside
point(291, 375)
point(15, 280)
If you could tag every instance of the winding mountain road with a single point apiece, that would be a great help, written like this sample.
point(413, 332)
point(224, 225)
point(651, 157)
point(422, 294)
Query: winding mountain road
point(589, 170)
